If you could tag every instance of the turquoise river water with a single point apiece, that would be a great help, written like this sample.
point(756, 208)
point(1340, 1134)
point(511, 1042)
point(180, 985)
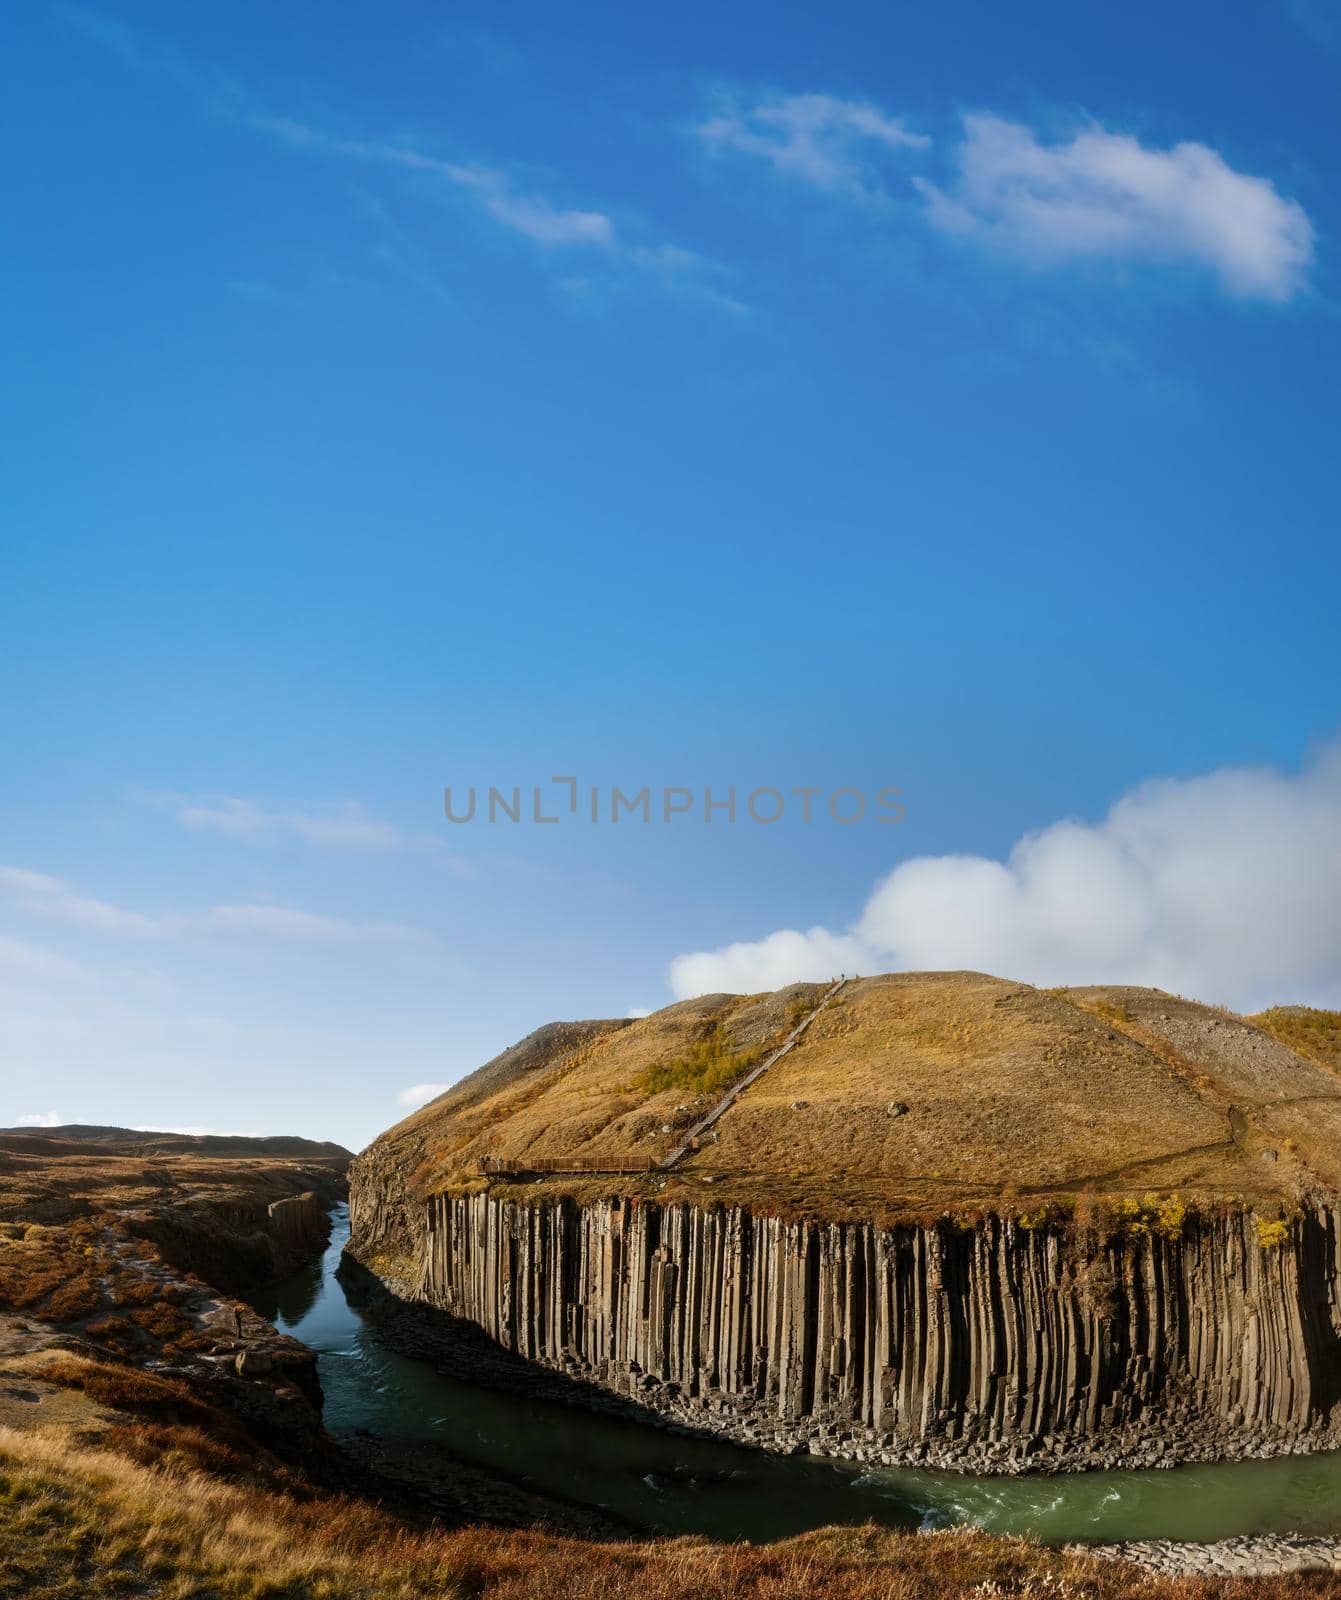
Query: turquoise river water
point(673, 1484)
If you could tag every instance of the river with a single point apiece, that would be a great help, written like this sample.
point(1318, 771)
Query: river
point(673, 1484)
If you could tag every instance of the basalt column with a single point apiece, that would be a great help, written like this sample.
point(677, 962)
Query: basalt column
point(991, 1344)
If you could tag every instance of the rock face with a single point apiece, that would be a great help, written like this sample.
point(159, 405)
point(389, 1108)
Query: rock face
point(300, 1223)
point(239, 1245)
point(1136, 1256)
point(990, 1348)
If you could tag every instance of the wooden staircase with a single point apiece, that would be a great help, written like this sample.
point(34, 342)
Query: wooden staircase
point(688, 1143)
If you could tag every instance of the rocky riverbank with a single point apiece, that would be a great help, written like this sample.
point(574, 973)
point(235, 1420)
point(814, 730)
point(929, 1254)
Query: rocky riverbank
point(1261, 1556)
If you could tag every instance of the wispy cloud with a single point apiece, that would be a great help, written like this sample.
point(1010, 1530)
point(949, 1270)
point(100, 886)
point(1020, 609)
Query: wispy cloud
point(347, 826)
point(1225, 886)
point(533, 215)
point(39, 1119)
point(559, 231)
point(53, 900)
point(820, 139)
point(419, 1094)
point(1106, 196)
point(587, 241)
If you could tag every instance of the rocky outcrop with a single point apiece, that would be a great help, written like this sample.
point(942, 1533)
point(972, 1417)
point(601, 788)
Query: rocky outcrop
point(993, 1347)
point(299, 1224)
point(239, 1245)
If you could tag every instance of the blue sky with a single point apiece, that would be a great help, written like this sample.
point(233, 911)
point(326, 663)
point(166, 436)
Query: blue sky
point(938, 398)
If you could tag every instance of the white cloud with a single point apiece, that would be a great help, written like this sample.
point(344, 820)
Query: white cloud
point(39, 1119)
point(684, 274)
point(638, 1011)
point(348, 825)
point(1106, 196)
point(53, 900)
point(818, 139)
point(1225, 886)
point(532, 215)
point(550, 226)
point(419, 1094)
point(770, 963)
point(344, 826)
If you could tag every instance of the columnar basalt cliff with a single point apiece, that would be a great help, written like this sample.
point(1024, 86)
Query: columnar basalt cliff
point(1183, 1302)
point(988, 1346)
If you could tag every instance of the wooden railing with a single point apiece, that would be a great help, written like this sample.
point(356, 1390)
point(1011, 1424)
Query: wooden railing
point(542, 1166)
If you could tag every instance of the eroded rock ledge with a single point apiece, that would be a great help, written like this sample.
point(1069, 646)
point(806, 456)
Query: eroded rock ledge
point(992, 1348)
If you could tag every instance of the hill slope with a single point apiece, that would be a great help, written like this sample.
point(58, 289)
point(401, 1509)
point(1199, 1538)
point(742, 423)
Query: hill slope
point(909, 1093)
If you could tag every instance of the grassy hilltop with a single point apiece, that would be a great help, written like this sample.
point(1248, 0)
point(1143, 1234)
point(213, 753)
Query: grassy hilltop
point(911, 1094)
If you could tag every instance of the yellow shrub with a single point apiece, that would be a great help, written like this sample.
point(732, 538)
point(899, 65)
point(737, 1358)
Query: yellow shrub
point(1272, 1232)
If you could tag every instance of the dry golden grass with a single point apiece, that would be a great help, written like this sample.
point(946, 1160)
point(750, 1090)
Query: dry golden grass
point(96, 1240)
point(1313, 1033)
point(57, 1181)
point(1014, 1096)
point(607, 1089)
point(83, 1525)
point(127, 1388)
point(58, 1271)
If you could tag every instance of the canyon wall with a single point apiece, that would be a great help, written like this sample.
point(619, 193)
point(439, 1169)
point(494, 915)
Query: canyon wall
point(236, 1244)
point(993, 1347)
point(299, 1224)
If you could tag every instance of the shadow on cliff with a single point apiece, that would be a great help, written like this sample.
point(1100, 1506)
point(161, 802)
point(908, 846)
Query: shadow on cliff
point(461, 1349)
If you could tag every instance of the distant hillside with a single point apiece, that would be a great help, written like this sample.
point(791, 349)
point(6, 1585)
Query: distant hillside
point(911, 1093)
point(77, 1137)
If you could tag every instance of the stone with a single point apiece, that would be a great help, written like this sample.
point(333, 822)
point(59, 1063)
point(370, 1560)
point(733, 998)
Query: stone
point(985, 1347)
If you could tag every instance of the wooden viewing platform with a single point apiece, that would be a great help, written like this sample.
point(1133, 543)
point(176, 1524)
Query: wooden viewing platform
point(545, 1166)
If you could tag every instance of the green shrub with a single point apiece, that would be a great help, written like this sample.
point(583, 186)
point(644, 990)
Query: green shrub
point(710, 1066)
